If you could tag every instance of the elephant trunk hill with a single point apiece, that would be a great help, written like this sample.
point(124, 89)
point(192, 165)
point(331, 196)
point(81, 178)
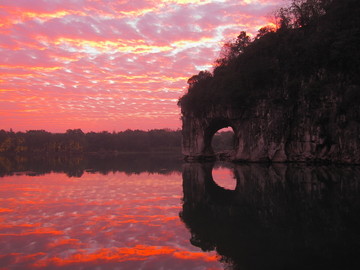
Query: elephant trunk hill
point(289, 94)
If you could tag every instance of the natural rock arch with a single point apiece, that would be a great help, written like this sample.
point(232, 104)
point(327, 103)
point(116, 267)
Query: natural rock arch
point(311, 130)
point(214, 126)
point(198, 131)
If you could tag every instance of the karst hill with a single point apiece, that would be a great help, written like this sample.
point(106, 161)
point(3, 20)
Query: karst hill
point(290, 93)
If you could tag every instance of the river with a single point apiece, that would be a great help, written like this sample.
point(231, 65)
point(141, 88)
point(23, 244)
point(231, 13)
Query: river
point(155, 212)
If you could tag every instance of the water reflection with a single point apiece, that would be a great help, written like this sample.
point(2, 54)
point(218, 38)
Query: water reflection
point(125, 219)
point(76, 165)
point(123, 212)
point(277, 217)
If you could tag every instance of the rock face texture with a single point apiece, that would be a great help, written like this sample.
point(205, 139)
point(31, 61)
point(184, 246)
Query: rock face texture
point(291, 94)
point(308, 128)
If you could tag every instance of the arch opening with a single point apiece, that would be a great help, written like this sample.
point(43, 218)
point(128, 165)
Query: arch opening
point(223, 140)
point(219, 152)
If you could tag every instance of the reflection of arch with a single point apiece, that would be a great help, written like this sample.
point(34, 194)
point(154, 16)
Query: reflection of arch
point(218, 193)
point(200, 180)
point(224, 175)
point(279, 217)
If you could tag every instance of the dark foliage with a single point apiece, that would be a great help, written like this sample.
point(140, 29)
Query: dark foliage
point(223, 141)
point(316, 42)
point(75, 141)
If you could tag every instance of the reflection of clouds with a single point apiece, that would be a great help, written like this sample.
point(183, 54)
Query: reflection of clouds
point(136, 253)
point(36, 231)
point(224, 177)
point(4, 210)
point(65, 241)
point(55, 221)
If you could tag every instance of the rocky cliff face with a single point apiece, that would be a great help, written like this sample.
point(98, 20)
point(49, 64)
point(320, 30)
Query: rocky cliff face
point(308, 128)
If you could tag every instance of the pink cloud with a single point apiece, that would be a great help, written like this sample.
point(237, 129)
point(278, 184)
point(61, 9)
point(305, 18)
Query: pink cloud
point(105, 65)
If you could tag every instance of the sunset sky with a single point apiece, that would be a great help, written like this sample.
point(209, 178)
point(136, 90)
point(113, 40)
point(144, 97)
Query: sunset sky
point(110, 64)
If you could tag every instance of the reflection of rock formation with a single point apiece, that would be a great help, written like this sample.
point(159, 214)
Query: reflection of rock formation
point(278, 217)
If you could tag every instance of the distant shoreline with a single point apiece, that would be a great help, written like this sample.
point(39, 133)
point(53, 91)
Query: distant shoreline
point(174, 151)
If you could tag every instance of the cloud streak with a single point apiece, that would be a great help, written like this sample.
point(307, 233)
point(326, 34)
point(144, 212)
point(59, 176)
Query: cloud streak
point(110, 65)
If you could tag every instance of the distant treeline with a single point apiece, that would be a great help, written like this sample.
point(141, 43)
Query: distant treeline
point(76, 141)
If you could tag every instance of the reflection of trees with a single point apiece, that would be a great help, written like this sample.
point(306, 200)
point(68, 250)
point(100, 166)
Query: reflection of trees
point(278, 217)
point(76, 165)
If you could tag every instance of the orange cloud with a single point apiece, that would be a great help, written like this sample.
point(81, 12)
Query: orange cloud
point(32, 68)
point(28, 15)
point(110, 46)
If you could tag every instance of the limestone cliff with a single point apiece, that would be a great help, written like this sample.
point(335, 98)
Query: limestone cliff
point(289, 95)
point(311, 129)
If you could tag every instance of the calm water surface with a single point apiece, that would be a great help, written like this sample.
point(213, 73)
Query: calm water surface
point(159, 214)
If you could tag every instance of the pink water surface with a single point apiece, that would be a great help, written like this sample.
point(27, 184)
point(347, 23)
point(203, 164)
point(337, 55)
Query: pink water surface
point(113, 221)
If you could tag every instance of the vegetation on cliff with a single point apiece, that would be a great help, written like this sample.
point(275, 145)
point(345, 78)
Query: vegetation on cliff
point(314, 48)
